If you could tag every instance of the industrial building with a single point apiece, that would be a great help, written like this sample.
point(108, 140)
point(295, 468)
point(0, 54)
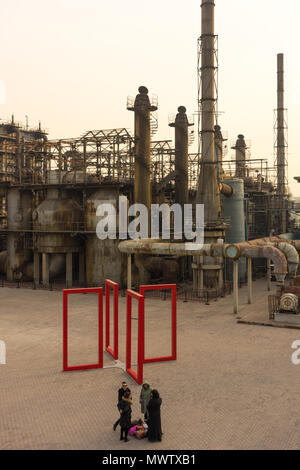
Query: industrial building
point(50, 191)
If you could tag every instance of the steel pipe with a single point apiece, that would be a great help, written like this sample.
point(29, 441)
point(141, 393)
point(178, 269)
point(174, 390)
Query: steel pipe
point(287, 247)
point(233, 252)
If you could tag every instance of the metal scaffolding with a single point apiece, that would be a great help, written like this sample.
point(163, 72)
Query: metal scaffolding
point(95, 157)
point(216, 85)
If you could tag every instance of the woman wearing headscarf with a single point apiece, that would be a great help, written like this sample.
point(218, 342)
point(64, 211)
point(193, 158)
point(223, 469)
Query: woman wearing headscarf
point(154, 420)
point(125, 419)
point(145, 396)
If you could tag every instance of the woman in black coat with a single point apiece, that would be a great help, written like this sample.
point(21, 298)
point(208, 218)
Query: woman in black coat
point(154, 421)
point(125, 411)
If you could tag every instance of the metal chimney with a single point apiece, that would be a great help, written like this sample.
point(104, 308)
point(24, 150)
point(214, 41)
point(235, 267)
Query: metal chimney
point(142, 108)
point(208, 188)
point(208, 271)
point(281, 143)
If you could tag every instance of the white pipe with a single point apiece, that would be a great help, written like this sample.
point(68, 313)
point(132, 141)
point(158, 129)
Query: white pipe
point(233, 252)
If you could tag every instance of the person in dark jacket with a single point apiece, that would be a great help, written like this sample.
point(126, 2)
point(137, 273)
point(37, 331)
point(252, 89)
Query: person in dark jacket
point(154, 420)
point(121, 392)
point(125, 420)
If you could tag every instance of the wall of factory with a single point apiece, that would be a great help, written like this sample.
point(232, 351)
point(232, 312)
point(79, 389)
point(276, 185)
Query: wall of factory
point(103, 259)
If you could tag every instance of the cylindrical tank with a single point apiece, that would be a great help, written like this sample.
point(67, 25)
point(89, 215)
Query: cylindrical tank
point(233, 208)
point(56, 267)
point(103, 260)
point(74, 177)
point(19, 217)
point(57, 213)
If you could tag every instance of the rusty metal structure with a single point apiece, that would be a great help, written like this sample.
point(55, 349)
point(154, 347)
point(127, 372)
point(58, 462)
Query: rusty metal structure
point(142, 108)
point(50, 191)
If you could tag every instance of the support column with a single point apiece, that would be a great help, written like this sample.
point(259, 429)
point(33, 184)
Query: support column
point(200, 276)
point(81, 269)
point(195, 274)
point(200, 281)
point(269, 274)
point(69, 269)
point(235, 287)
point(45, 269)
point(36, 268)
point(250, 290)
point(129, 282)
point(221, 280)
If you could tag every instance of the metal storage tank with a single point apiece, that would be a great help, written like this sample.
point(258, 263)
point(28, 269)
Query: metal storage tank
point(103, 259)
point(233, 207)
point(57, 219)
point(57, 213)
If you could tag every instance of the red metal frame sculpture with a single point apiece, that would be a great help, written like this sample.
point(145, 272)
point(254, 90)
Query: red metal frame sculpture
point(137, 376)
point(173, 289)
point(113, 352)
point(66, 293)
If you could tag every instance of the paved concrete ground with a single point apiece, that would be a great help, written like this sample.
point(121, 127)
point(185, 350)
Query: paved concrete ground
point(233, 386)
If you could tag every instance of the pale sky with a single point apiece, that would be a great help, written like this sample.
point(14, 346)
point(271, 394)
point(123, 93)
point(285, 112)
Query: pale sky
point(72, 63)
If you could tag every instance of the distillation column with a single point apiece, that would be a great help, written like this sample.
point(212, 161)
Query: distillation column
point(181, 125)
point(240, 157)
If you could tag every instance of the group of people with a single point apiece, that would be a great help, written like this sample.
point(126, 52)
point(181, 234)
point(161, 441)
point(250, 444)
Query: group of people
point(150, 402)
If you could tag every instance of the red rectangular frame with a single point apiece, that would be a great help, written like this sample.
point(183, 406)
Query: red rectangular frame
point(66, 293)
point(137, 376)
point(173, 289)
point(113, 352)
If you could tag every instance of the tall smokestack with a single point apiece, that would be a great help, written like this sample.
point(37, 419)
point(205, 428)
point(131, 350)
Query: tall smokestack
point(281, 144)
point(208, 189)
point(142, 129)
point(208, 271)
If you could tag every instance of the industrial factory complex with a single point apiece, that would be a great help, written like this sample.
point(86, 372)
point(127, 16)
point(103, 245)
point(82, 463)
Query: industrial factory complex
point(50, 191)
point(243, 275)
